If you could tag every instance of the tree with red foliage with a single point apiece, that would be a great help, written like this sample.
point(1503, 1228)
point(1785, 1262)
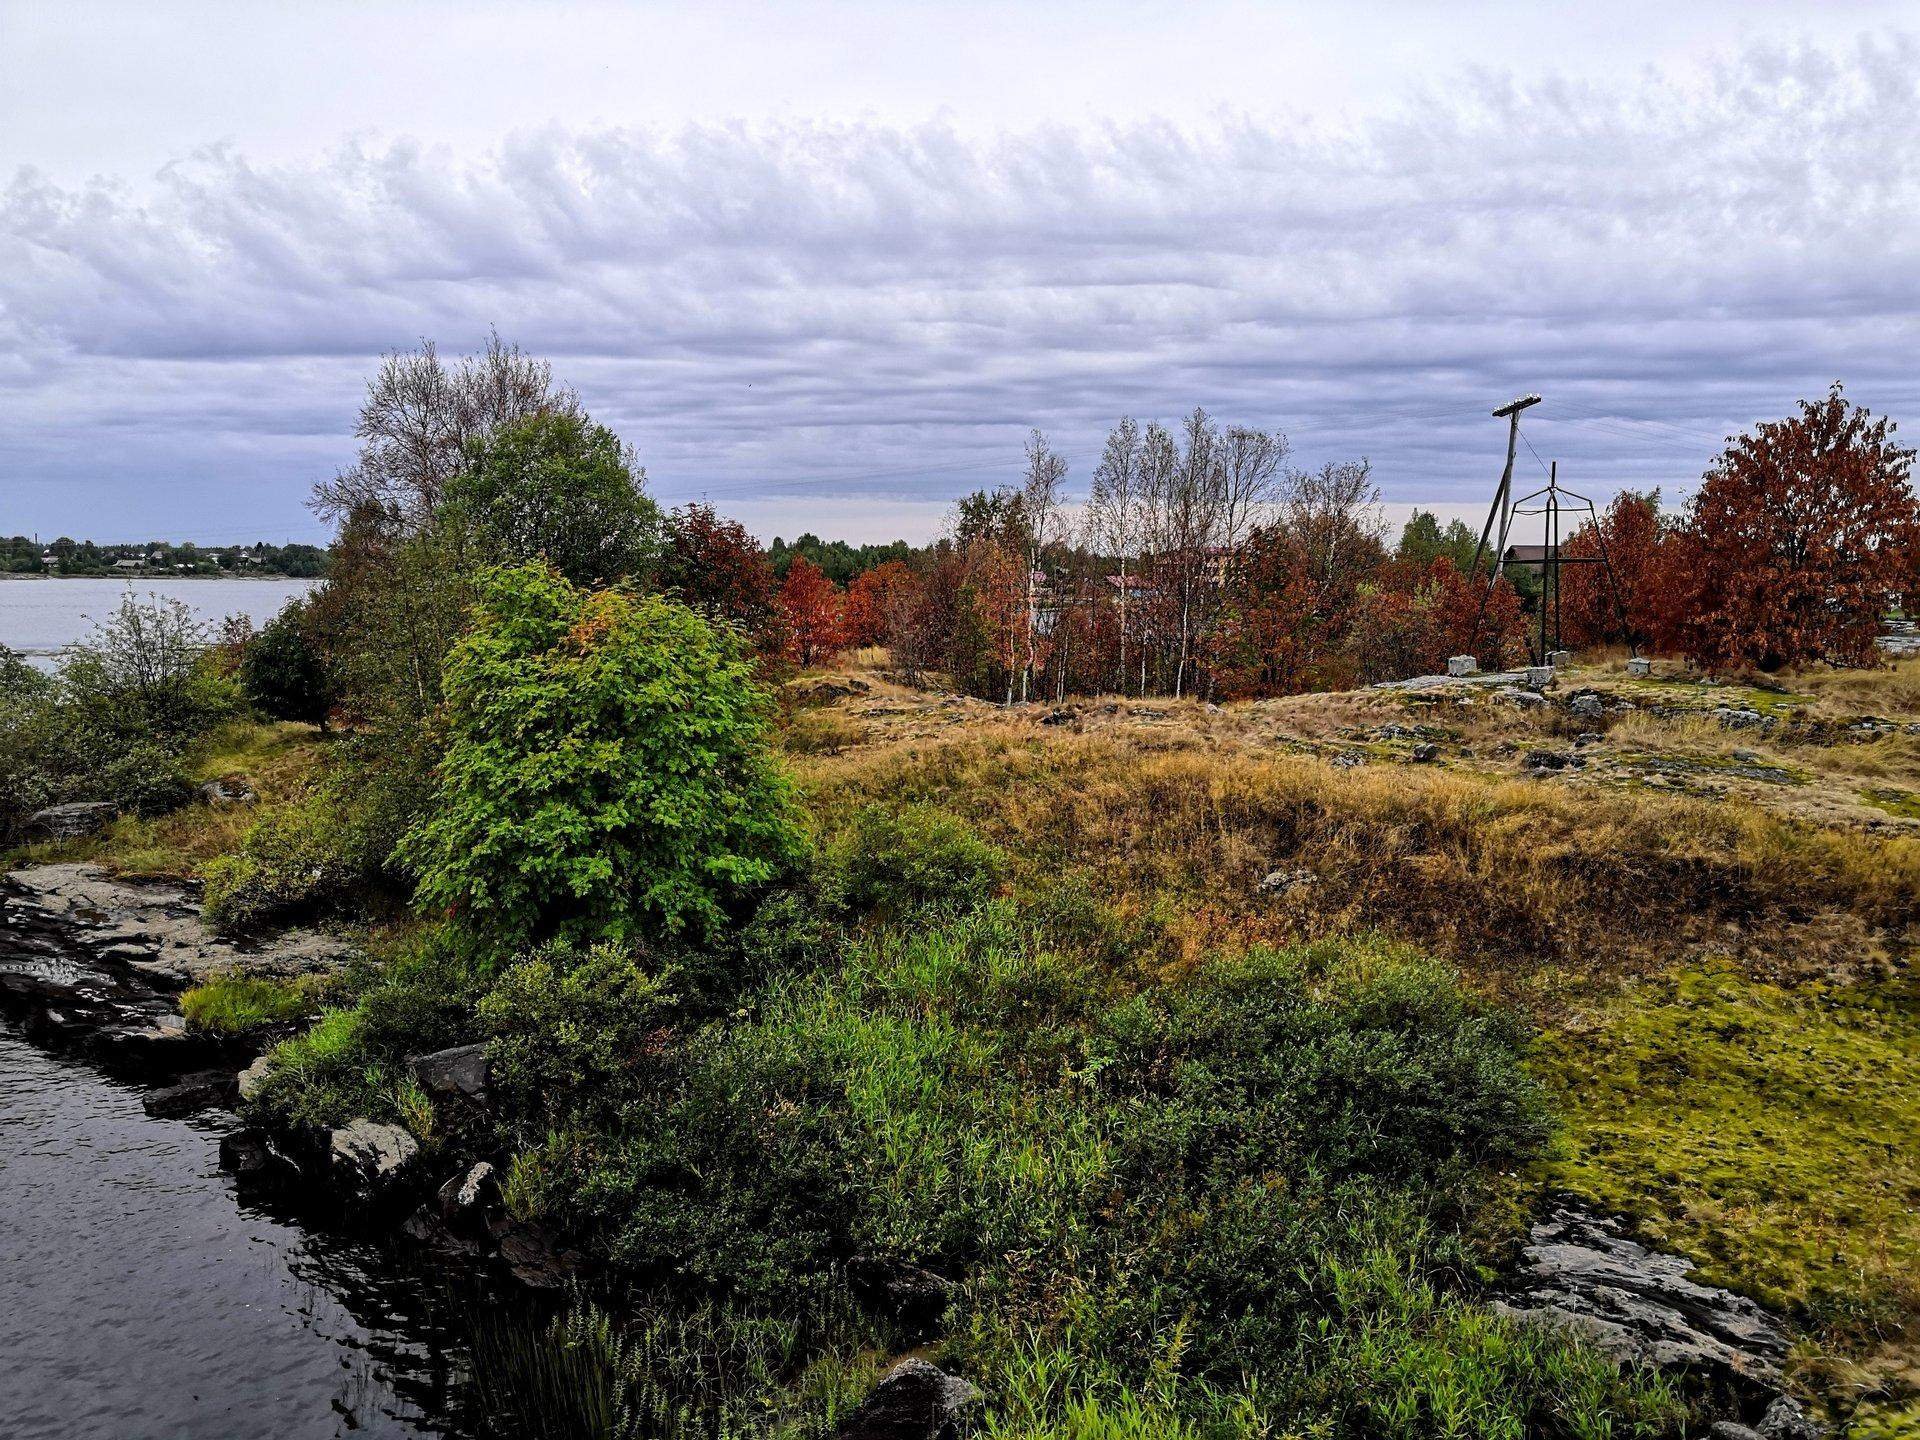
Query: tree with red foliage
point(877, 600)
point(1634, 539)
point(810, 607)
point(1495, 634)
point(716, 567)
point(1801, 533)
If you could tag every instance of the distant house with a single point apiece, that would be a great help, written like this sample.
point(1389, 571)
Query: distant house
point(1532, 557)
point(49, 560)
point(129, 562)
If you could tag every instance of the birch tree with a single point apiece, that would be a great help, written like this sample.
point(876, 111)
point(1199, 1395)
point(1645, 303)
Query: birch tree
point(1113, 520)
point(1040, 496)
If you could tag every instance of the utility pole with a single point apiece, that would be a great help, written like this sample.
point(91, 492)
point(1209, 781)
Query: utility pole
point(1502, 509)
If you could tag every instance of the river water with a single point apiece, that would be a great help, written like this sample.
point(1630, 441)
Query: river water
point(143, 1298)
point(41, 616)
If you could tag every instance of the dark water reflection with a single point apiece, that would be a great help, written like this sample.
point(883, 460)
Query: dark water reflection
point(142, 1298)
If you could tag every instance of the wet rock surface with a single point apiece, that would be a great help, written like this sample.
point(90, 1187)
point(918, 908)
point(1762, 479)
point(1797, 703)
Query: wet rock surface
point(1580, 1269)
point(153, 927)
point(92, 962)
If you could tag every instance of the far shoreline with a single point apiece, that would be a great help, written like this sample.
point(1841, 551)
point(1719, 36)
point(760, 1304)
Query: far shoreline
point(133, 575)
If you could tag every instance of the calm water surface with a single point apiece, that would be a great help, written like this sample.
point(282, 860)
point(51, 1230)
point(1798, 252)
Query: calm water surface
point(40, 617)
point(142, 1299)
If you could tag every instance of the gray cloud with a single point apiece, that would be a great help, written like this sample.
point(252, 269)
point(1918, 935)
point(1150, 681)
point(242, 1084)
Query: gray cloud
point(842, 325)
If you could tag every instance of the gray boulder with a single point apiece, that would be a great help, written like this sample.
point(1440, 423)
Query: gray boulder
point(252, 1078)
point(1587, 705)
point(70, 822)
point(913, 1401)
point(230, 791)
point(459, 1071)
point(1525, 699)
point(467, 1196)
point(1785, 1420)
point(367, 1159)
point(1425, 753)
point(1579, 1270)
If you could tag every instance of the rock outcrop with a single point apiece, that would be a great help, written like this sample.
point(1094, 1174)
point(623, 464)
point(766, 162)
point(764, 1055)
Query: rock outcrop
point(913, 1401)
point(367, 1159)
point(1580, 1269)
point(70, 822)
point(154, 928)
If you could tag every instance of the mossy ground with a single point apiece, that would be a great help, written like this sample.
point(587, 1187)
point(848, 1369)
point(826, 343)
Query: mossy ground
point(1767, 1132)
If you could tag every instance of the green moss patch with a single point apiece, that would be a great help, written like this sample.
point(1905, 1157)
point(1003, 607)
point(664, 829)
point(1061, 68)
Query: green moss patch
point(1767, 1133)
point(1901, 804)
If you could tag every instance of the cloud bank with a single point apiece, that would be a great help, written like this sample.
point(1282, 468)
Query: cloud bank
point(840, 326)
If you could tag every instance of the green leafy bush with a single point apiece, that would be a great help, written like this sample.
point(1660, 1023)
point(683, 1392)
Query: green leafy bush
point(284, 671)
point(919, 857)
point(144, 673)
point(116, 721)
point(607, 774)
point(568, 1025)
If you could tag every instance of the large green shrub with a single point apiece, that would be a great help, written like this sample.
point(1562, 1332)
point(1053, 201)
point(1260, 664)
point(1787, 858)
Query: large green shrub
point(116, 720)
point(607, 774)
point(144, 674)
point(284, 671)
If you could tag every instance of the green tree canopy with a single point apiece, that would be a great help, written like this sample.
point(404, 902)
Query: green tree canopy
point(557, 487)
point(607, 773)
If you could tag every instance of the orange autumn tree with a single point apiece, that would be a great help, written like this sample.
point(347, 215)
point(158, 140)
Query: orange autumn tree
point(810, 607)
point(876, 600)
point(1800, 535)
point(1634, 539)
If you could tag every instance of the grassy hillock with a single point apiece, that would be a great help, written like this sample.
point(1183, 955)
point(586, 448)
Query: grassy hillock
point(1203, 1061)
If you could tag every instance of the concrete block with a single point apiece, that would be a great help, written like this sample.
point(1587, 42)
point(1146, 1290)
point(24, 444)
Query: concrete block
point(1459, 665)
point(1560, 659)
point(1539, 677)
point(1639, 665)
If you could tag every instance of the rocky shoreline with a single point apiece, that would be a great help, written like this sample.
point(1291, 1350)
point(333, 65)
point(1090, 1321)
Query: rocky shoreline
point(93, 963)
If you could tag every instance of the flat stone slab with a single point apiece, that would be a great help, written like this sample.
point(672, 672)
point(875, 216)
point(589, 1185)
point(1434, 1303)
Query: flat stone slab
point(1487, 679)
point(152, 928)
point(1580, 1270)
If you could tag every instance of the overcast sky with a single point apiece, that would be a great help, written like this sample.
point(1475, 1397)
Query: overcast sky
point(825, 264)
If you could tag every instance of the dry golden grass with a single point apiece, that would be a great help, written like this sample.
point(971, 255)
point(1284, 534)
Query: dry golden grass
point(1512, 878)
point(1892, 691)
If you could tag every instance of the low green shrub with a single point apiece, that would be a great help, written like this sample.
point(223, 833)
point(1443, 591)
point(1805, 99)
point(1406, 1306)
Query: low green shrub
point(297, 862)
point(896, 861)
point(567, 1027)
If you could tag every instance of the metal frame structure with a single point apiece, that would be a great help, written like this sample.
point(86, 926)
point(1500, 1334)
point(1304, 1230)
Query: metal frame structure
point(1548, 502)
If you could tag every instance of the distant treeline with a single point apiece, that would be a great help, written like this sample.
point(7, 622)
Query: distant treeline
point(22, 556)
